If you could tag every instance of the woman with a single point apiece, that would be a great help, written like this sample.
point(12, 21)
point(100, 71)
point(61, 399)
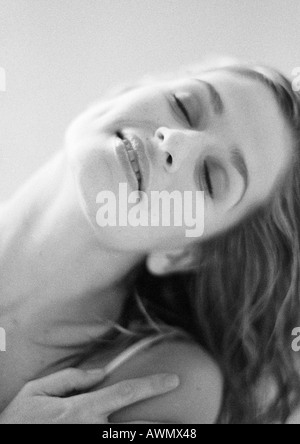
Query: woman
point(232, 132)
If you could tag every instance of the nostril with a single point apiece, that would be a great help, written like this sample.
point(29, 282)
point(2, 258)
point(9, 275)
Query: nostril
point(161, 136)
point(169, 159)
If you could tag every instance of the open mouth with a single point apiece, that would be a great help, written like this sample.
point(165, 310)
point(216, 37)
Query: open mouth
point(133, 158)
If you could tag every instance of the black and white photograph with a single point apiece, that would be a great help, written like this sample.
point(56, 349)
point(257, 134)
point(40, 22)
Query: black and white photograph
point(149, 214)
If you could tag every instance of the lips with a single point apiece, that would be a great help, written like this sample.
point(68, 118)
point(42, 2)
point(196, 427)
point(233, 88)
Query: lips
point(133, 151)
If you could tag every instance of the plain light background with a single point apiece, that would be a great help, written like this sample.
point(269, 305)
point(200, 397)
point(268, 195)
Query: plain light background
point(61, 55)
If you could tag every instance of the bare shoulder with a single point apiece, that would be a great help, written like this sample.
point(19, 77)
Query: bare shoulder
point(196, 401)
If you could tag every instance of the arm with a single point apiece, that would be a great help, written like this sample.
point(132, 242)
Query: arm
point(196, 401)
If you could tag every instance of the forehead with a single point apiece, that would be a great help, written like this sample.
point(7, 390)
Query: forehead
point(256, 124)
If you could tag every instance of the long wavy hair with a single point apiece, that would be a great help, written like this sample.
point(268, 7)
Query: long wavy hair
point(242, 300)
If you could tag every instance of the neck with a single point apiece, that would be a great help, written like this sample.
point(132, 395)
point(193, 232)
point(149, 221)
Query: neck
point(47, 244)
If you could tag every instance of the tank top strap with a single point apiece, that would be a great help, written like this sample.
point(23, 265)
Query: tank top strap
point(140, 346)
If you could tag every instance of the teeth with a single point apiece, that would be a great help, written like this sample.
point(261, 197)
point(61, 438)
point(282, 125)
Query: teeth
point(135, 166)
point(133, 159)
point(131, 155)
point(127, 145)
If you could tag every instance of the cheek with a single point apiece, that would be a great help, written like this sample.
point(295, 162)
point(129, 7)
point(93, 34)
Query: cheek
point(91, 178)
point(182, 181)
point(219, 221)
point(145, 108)
point(94, 170)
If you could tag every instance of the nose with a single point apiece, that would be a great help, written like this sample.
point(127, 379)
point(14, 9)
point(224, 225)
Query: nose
point(174, 147)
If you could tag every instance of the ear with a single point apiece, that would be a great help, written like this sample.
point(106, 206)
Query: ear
point(168, 262)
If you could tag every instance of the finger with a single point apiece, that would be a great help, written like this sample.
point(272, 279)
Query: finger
point(67, 381)
point(111, 399)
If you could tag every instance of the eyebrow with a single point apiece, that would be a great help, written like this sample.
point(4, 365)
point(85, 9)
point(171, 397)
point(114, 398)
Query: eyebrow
point(238, 162)
point(215, 97)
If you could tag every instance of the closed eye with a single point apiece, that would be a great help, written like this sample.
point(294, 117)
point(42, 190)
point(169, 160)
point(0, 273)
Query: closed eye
point(183, 109)
point(208, 180)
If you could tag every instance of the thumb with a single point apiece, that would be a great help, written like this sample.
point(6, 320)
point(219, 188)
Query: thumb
point(67, 382)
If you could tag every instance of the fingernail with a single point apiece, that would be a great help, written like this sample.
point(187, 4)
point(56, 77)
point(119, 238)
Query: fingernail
point(171, 381)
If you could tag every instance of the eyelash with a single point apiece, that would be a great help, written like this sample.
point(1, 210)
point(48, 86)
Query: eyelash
point(206, 169)
point(208, 180)
point(183, 109)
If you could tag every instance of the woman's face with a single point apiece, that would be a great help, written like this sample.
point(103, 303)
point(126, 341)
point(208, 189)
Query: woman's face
point(217, 132)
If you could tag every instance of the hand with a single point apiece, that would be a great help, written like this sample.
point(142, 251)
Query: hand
point(61, 398)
